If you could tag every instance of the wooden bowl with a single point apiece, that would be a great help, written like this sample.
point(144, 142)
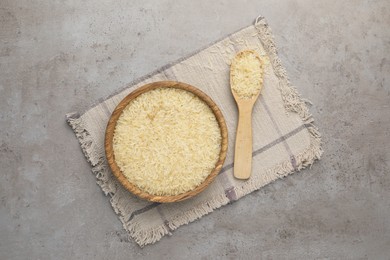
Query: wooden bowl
point(110, 133)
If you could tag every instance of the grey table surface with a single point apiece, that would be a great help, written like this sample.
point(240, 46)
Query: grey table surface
point(61, 56)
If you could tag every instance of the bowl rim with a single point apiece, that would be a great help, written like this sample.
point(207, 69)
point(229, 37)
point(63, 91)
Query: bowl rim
point(108, 142)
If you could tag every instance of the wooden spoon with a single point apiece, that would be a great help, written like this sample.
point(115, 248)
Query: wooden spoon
point(245, 96)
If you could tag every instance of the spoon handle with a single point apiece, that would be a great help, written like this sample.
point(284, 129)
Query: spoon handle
point(243, 149)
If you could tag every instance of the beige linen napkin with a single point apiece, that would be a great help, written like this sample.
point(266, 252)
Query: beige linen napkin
point(284, 137)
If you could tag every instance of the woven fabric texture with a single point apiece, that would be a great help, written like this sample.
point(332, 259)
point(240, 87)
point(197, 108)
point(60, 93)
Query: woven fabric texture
point(284, 137)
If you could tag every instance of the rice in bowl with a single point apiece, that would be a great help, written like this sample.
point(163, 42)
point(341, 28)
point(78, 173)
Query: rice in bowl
point(167, 141)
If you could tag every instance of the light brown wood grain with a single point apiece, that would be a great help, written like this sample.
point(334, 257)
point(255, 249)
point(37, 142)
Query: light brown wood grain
point(110, 134)
point(243, 147)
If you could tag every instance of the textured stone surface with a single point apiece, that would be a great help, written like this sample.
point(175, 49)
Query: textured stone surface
point(60, 56)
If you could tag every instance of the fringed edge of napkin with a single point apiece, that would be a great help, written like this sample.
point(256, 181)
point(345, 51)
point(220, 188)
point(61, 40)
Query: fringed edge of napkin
point(292, 103)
